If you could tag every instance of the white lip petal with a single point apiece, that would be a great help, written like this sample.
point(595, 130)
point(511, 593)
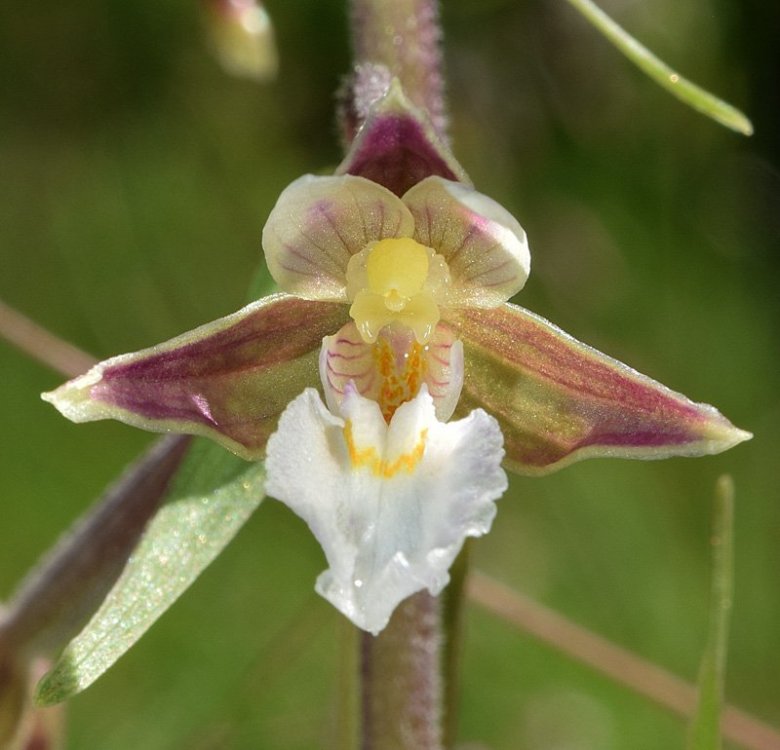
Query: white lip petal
point(390, 504)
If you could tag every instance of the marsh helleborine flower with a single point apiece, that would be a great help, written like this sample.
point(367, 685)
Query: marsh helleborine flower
point(395, 275)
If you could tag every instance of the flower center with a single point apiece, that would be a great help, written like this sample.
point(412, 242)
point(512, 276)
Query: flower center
point(394, 280)
point(399, 377)
point(396, 270)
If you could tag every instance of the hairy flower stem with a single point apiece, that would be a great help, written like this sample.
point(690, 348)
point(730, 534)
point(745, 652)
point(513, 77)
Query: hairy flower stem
point(401, 37)
point(401, 679)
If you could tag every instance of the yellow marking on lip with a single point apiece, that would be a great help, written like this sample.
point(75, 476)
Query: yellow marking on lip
point(369, 458)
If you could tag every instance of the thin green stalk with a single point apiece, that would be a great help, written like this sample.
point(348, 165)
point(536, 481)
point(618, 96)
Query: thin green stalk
point(705, 728)
point(685, 90)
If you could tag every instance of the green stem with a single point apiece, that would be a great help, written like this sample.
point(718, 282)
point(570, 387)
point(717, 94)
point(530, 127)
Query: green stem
point(402, 688)
point(685, 90)
point(705, 730)
point(453, 601)
point(348, 700)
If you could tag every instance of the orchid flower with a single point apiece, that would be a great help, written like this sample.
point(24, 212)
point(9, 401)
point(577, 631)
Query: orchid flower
point(395, 275)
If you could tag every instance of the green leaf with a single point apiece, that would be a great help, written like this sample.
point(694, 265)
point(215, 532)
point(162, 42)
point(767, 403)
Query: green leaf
point(688, 92)
point(58, 597)
point(212, 496)
point(704, 733)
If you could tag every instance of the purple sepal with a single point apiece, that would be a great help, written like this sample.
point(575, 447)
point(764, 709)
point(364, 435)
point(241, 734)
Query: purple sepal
point(559, 401)
point(397, 147)
point(229, 380)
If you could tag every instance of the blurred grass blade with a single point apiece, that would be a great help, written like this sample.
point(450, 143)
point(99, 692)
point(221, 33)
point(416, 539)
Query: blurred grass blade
point(212, 496)
point(685, 90)
point(704, 731)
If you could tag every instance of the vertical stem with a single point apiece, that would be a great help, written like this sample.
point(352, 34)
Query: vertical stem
point(348, 706)
point(403, 36)
point(401, 679)
point(453, 599)
point(401, 668)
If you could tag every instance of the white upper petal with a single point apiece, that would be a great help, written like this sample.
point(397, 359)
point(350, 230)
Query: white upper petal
point(390, 505)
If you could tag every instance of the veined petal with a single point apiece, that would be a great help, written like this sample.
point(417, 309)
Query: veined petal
point(559, 401)
point(319, 223)
point(228, 380)
point(390, 504)
point(392, 370)
point(397, 146)
point(485, 247)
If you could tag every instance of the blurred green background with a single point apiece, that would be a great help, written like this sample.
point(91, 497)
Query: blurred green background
point(135, 178)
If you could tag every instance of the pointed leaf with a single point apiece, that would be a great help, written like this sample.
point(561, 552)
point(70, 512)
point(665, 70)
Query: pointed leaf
point(56, 600)
point(559, 401)
point(228, 380)
point(705, 728)
point(686, 91)
point(397, 146)
point(213, 496)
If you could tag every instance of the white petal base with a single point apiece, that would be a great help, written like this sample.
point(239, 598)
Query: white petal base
point(390, 504)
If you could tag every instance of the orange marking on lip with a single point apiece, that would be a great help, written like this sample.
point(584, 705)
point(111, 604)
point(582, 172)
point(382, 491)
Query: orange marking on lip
point(397, 387)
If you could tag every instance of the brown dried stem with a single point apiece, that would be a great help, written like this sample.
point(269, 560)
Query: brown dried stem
point(42, 345)
point(617, 663)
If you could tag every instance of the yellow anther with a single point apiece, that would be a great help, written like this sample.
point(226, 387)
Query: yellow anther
point(394, 287)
